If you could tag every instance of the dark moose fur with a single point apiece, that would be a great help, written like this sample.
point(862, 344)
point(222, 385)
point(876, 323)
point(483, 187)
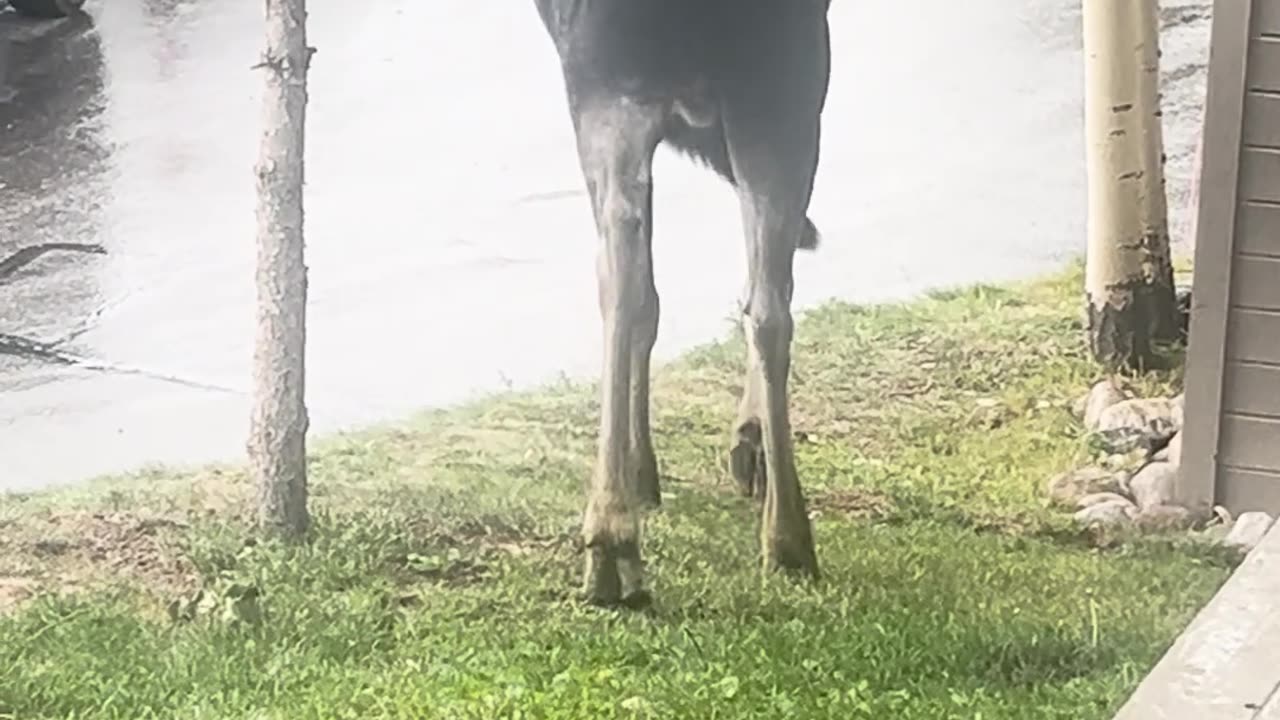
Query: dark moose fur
point(739, 85)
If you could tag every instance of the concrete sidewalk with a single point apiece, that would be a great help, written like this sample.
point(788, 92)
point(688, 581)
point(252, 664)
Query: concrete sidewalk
point(1226, 664)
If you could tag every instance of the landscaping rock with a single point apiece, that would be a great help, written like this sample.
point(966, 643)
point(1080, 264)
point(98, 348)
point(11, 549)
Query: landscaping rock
point(1130, 461)
point(1154, 484)
point(1124, 479)
point(1217, 525)
point(1100, 397)
point(1068, 488)
point(1248, 531)
point(1173, 451)
point(1113, 513)
point(990, 413)
point(1182, 294)
point(1140, 423)
point(1099, 498)
point(1213, 535)
point(1164, 518)
point(1221, 516)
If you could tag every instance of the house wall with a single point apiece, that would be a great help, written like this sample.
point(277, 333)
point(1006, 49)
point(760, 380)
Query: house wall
point(1249, 441)
point(1231, 453)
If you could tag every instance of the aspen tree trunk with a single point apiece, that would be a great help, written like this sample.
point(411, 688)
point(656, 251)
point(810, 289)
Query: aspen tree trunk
point(278, 425)
point(1129, 275)
point(1161, 294)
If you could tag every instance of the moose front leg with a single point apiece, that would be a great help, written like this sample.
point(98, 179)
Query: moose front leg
point(640, 445)
point(616, 140)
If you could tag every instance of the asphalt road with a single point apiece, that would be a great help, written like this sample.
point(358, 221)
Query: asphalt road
point(451, 246)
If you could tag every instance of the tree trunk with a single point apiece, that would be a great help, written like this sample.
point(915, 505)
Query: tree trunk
point(1162, 296)
point(1129, 274)
point(278, 426)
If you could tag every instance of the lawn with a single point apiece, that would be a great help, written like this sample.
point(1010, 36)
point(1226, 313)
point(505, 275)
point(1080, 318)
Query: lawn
point(440, 579)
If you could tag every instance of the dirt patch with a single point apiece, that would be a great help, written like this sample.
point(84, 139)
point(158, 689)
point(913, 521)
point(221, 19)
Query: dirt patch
point(851, 503)
point(472, 552)
point(14, 590)
point(449, 569)
point(67, 552)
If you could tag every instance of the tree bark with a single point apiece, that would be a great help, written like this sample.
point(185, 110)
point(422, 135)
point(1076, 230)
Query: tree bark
point(1129, 273)
point(1162, 296)
point(278, 425)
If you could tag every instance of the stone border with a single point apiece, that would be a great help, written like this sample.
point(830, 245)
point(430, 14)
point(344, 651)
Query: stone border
point(1132, 486)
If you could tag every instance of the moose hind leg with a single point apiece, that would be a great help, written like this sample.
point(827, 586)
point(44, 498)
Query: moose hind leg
point(772, 132)
point(772, 220)
point(746, 454)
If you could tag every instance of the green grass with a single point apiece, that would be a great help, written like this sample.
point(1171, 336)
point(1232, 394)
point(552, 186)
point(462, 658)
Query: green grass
point(440, 578)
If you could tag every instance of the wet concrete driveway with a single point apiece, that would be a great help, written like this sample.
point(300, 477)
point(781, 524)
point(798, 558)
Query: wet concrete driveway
point(450, 243)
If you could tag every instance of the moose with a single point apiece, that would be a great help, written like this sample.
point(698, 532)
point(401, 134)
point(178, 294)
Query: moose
point(740, 86)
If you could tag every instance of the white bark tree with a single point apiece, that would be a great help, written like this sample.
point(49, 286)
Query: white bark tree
point(278, 426)
point(1129, 274)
